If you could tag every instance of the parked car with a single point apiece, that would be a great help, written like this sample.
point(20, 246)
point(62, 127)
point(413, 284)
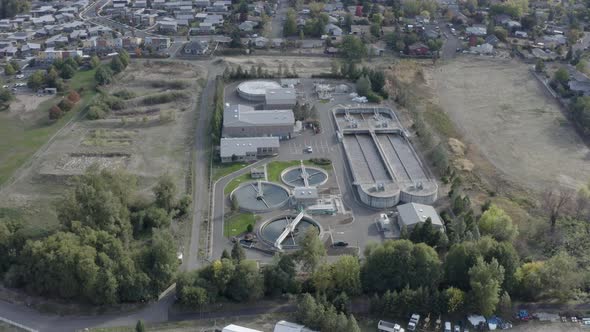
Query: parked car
point(447, 327)
point(309, 149)
point(413, 322)
point(457, 328)
point(340, 244)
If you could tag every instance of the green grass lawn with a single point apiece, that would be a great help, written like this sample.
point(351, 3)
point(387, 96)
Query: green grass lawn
point(236, 182)
point(238, 224)
point(20, 139)
point(221, 170)
point(275, 168)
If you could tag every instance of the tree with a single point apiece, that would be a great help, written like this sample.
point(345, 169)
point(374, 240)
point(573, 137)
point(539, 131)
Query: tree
point(73, 96)
point(125, 58)
point(311, 249)
point(346, 275)
point(396, 264)
point(103, 75)
point(279, 277)
point(94, 62)
point(160, 261)
point(247, 283)
point(501, 33)
point(363, 86)
point(139, 327)
point(225, 254)
point(353, 48)
point(65, 105)
point(15, 65)
point(454, 299)
point(237, 253)
point(560, 275)
point(540, 66)
point(307, 311)
point(555, 202)
point(498, 224)
point(322, 278)
point(485, 280)
point(290, 25)
point(67, 72)
point(36, 81)
point(561, 76)
point(352, 325)
point(116, 65)
point(55, 113)
point(165, 192)
point(9, 70)
point(10, 8)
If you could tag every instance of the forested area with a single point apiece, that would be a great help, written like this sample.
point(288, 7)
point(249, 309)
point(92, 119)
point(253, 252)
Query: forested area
point(10, 8)
point(113, 244)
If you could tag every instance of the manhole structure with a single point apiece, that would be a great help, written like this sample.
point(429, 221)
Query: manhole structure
point(260, 196)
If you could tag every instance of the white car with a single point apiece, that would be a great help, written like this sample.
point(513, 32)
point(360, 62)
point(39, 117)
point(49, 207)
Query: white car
point(20, 76)
point(309, 149)
point(413, 322)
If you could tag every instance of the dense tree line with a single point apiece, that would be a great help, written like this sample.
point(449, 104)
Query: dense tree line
point(218, 108)
point(100, 254)
point(10, 8)
point(239, 73)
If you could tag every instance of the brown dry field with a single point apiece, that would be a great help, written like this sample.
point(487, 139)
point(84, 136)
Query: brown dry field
point(503, 111)
point(143, 144)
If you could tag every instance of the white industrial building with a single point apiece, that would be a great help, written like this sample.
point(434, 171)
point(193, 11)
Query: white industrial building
point(247, 148)
point(411, 214)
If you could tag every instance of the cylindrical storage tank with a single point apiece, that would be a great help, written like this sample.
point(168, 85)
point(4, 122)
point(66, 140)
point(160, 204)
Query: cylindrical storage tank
point(256, 90)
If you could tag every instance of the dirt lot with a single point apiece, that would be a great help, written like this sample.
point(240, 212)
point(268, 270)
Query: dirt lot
point(147, 141)
point(503, 111)
point(303, 66)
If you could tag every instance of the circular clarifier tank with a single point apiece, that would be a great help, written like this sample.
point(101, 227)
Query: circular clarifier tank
point(260, 196)
point(272, 230)
point(295, 176)
point(256, 90)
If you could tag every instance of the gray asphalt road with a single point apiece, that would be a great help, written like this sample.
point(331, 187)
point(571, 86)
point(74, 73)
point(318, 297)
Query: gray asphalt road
point(201, 166)
point(449, 49)
point(277, 19)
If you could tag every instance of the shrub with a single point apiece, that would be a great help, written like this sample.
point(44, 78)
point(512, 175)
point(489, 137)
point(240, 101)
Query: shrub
point(73, 96)
point(321, 161)
point(55, 113)
point(124, 94)
point(65, 105)
point(372, 97)
point(163, 98)
point(96, 112)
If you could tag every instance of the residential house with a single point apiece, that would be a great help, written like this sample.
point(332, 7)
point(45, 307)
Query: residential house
point(247, 26)
point(261, 42)
point(492, 40)
point(196, 48)
point(157, 42)
point(167, 26)
point(579, 82)
point(360, 30)
point(333, 30)
point(201, 3)
point(476, 30)
point(42, 11)
point(418, 49)
point(277, 42)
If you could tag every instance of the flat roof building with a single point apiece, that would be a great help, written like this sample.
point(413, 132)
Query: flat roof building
point(247, 148)
point(411, 214)
point(280, 98)
point(245, 121)
point(237, 328)
point(284, 326)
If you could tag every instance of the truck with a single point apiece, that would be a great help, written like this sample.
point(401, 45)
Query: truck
point(413, 322)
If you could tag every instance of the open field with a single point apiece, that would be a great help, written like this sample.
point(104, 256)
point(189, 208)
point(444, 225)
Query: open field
point(25, 127)
point(504, 113)
point(147, 141)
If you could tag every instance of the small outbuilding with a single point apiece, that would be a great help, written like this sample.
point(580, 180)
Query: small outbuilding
point(411, 214)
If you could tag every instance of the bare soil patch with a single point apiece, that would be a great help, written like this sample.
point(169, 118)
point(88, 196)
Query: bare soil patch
point(24, 106)
point(503, 111)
